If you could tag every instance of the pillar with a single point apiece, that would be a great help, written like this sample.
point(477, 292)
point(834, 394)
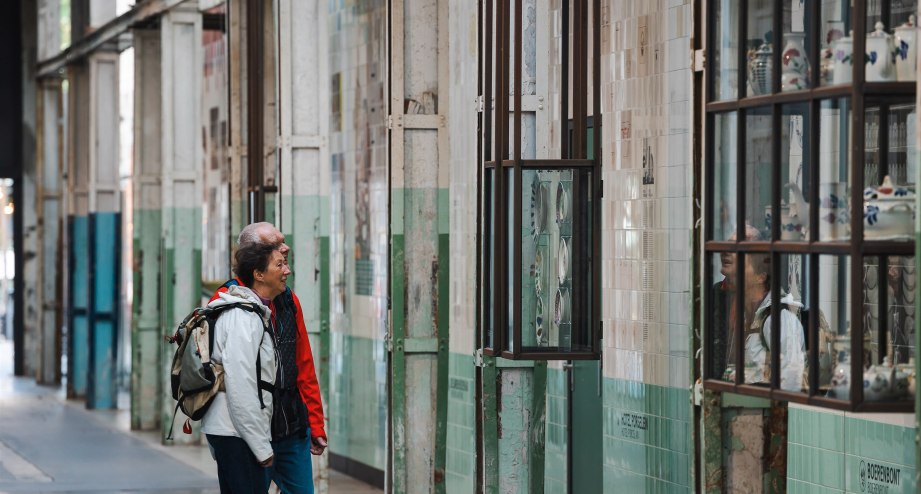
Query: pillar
point(146, 335)
point(26, 202)
point(49, 161)
point(420, 172)
point(50, 292)
point(180, 194)
point(304, 177)
point(77, 220)
point(103, 230)
point(236, 41)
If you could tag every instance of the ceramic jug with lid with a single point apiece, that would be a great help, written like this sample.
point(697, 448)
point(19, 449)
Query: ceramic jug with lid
point(880, 51)
point(906, 58)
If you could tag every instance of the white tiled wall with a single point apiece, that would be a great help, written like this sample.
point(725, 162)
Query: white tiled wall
point(646, 73)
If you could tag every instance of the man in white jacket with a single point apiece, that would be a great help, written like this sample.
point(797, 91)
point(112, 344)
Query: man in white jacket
point(237, 423)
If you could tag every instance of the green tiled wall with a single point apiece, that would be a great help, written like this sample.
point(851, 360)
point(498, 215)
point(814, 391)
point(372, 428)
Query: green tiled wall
point(358, 399)
point(460, 468)
point(826, 450)
point(647, 437)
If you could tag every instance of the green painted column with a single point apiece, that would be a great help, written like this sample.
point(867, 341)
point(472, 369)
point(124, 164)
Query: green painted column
point(146, 332)
point(419, 257)
point(181, 153)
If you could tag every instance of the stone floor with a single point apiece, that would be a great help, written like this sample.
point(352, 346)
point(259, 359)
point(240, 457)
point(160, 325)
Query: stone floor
point(50, 444)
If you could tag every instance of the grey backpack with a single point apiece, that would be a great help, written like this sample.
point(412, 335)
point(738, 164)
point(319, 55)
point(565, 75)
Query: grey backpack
point(194, 379)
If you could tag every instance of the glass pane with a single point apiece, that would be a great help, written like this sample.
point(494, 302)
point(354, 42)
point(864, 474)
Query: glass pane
point(722, 316)
point(834, 329)
point(901, 12)
point(726, 50)
point(511, 260)
point(556, 267)
point(888, 202)
point(723, 201)
point(794, 297)
point(905, 40)
point(871, 162)
point(489, 239)
point(756, 304)
point(901, 139)
point(536, 255)
point(759, 143)
point(796, 70)
point(834, 166)
point(836, 65)
point(889, 282)
point(794, 172)
point(760, 47)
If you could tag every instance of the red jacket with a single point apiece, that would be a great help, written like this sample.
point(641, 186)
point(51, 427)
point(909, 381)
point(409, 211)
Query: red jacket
point(307, 382)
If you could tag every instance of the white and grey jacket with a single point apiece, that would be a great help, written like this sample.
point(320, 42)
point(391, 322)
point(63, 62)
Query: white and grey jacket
point(237, 410)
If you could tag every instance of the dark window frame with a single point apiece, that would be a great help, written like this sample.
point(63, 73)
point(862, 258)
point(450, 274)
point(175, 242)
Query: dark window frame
point(859, 94)
point(497, 159)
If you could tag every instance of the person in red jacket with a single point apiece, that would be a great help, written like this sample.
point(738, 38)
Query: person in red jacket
point(297, 419)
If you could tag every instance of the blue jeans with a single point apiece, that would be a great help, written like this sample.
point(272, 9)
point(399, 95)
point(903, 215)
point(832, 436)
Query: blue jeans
point(292, 469)
point(238, 471)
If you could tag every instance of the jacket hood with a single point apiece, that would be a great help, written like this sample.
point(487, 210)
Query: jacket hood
point(239, 293)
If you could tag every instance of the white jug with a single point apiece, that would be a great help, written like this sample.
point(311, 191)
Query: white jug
point(906, 58)
point(880, 51)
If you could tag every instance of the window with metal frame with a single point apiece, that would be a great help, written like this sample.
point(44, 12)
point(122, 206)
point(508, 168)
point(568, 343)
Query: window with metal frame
point(540, 224)
point(810, 170)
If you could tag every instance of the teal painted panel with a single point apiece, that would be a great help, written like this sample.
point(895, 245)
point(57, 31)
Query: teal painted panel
point(79, 354)
point(460, 468)
point(587, 412)
point(103, 316)
point(106, 261)
point(79, 341)
point(79, 245)
point(101, 390)
point(358, 399)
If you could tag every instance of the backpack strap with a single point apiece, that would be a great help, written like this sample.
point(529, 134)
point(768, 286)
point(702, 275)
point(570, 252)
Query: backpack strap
point(248, 307)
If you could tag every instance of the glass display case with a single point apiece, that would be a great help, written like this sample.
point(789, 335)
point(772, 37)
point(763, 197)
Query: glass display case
point(540, 243)
point(809, 197)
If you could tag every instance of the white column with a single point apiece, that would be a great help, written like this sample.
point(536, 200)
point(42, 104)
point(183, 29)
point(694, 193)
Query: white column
point(49, 144)
point(303, 116)
point(181, 86)
point(146, 385)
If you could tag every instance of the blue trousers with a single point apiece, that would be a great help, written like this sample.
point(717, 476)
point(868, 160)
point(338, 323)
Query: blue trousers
point(292, 469)
point(238, 471)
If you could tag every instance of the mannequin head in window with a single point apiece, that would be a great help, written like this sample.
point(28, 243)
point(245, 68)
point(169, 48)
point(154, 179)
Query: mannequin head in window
point(728, 260)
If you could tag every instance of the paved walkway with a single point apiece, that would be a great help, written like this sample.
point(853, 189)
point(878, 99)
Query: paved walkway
point(49, 444)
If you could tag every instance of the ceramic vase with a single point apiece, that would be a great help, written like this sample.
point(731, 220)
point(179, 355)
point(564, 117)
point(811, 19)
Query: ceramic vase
point(843, 60)
point(794, 63)
point(759, 70)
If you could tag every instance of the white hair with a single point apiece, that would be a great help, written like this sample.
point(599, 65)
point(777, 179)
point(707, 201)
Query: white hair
point(250, 234)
